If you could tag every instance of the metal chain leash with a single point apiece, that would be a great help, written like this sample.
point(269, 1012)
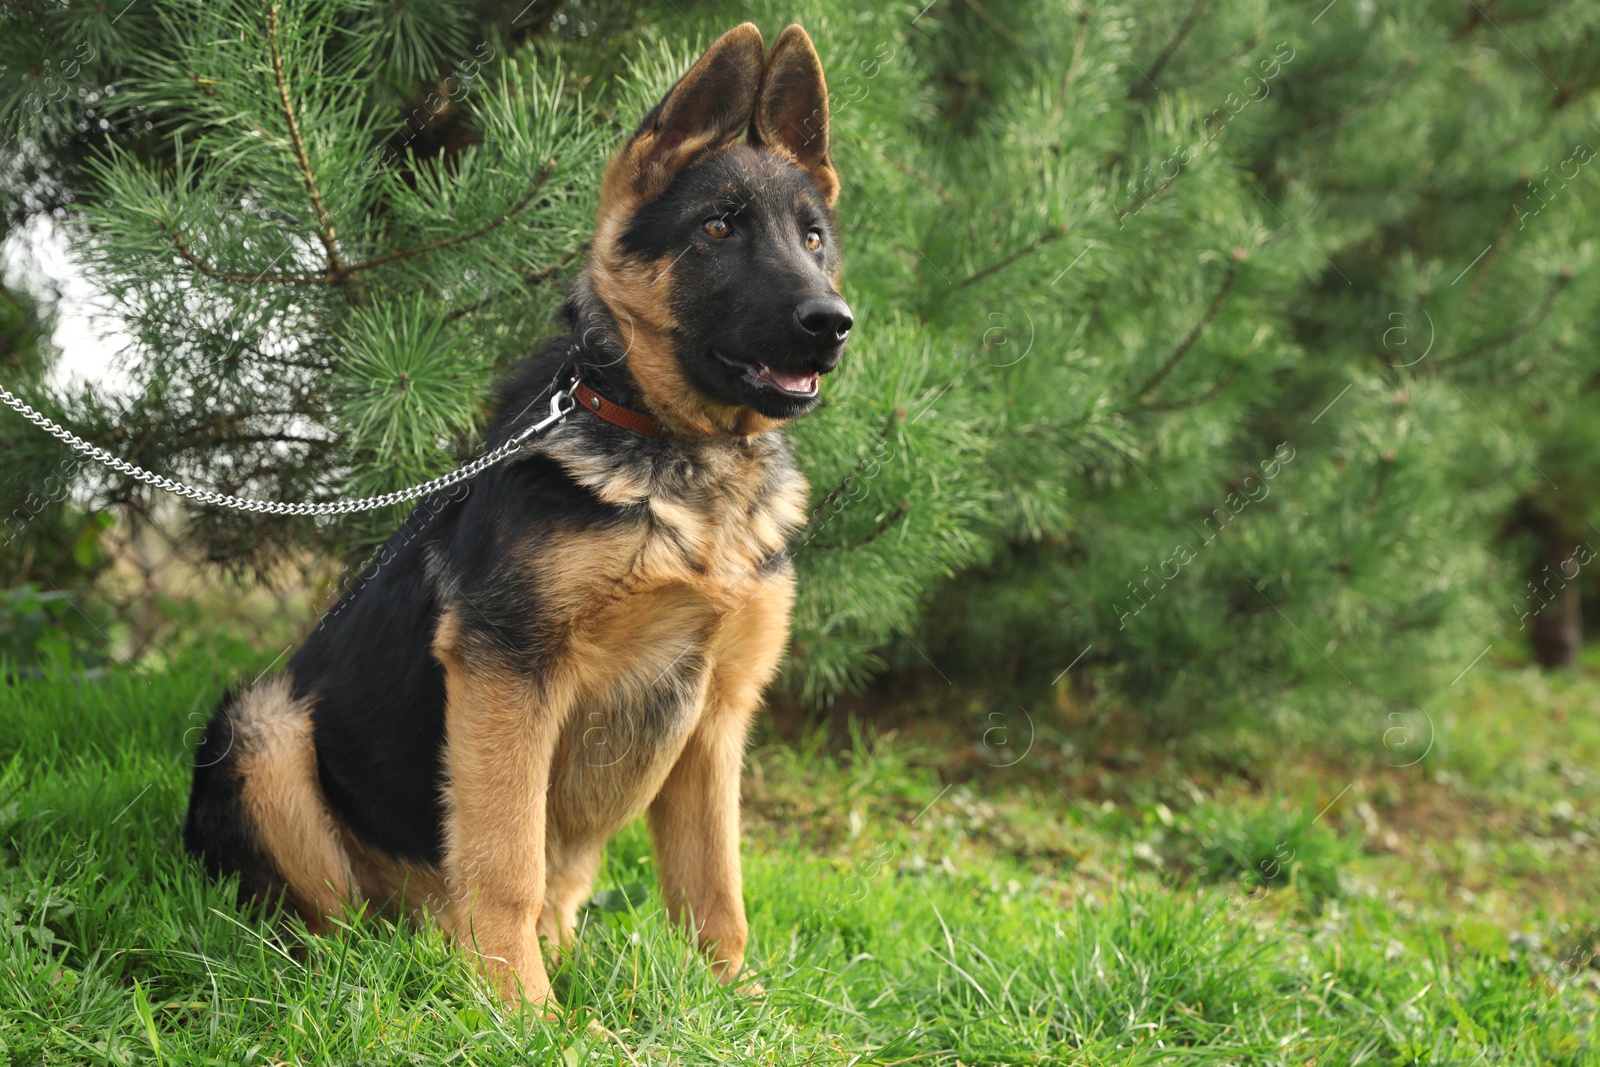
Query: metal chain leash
point(561, 404)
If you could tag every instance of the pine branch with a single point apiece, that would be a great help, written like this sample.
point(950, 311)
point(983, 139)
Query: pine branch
point(535, 276)
point(1147, 87)
point(861, 465)
point(529, 275)
point(1479, 17)
point(1071, 73)
point(337, 274)
point(1199, 328)
point(226, 427)
point(1382, 89)
point(1227, 61)
point(445, 242)
point(320, 444)
point(1380, 484)
point(1205, 397)
point(29, 321)
point(205, 84)
point(995, 24)
point(1316, 74)
point(213, 429)
point(1500, 239)
point(1470, 26)
point(883, 527)
point(1139, 202)
point(924, 180)
point(541, 21)
point(325, 229)
point(232, 276)
point(1520, 329)
point(1006, 261)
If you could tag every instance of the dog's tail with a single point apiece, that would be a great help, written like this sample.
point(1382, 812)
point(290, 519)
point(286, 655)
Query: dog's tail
point(257, 811)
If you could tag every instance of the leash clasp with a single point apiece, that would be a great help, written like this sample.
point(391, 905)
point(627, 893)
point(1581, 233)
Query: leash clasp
point(561, 404)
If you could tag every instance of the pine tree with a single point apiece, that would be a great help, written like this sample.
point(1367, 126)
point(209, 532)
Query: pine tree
point(1139, 291)
point(1374, 571)
point(1450, 149)
point(1399, 145)
point(320, 290)
point(1164, 504)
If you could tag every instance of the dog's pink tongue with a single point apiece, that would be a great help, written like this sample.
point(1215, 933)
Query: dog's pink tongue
point(794, 381)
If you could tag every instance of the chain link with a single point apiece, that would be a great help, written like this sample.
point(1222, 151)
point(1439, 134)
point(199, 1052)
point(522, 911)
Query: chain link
point(561, 404)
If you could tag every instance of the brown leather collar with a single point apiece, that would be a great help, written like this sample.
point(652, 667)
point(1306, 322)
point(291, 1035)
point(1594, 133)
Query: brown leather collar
point(616, 414)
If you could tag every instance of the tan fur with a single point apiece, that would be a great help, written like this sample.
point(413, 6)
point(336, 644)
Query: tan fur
point(571, 877)
point(791, 115)
point(637, 291)
point(707, 108)
point(744, 522)
point(396, 888)
point(277, 762)
point(500, 735)
point(694, 820)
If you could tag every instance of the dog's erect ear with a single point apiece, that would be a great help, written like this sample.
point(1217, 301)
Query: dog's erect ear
point(791, 115)
point(709, 107)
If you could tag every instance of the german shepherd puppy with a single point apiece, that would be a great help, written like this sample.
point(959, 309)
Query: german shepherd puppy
point(584, 634)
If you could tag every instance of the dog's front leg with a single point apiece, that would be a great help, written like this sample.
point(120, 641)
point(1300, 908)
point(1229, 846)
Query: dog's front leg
point(501, 730)
point(694, 820)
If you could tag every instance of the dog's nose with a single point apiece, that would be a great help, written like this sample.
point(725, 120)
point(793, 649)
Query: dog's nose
point(824, 320)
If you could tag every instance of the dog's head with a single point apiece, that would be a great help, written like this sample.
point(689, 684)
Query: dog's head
point(715, 250)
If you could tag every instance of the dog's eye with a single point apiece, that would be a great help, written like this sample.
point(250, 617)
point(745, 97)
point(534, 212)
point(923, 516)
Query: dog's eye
point(814, 240)
point(717, 228)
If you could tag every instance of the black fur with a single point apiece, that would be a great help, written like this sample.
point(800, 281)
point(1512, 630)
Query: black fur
point(216, 830)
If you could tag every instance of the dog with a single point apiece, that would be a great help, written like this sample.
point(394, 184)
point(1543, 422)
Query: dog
point(584, 634)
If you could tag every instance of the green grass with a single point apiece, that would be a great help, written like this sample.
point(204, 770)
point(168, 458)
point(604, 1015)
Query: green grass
point(908, 903)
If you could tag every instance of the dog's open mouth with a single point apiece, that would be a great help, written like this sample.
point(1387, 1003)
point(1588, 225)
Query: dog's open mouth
point(797, 383)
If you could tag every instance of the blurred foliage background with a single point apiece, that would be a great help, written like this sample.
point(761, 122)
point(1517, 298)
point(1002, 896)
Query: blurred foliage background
point(1214, 360)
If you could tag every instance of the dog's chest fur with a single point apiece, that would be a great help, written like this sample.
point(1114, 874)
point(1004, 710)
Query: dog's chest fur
point(711, 512)
point(650, 609)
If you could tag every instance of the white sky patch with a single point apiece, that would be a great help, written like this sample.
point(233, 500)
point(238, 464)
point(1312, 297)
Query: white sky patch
point(88, 333)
